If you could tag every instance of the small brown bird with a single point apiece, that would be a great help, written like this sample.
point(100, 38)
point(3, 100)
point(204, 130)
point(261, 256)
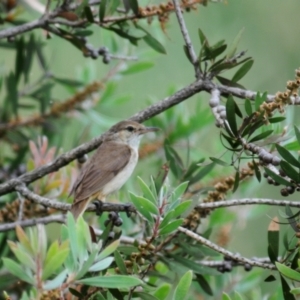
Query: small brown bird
point(111, 165)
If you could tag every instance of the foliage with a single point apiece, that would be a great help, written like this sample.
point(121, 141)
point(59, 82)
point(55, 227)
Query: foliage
point(173, 247)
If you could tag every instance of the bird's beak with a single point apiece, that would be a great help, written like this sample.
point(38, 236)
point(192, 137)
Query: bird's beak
point(148, 129)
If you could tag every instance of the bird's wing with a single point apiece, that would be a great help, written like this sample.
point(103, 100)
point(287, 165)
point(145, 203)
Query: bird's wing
point(109, 159)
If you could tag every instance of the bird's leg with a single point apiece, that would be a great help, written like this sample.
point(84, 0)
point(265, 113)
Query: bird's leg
point(99, 204)
point(127, 207)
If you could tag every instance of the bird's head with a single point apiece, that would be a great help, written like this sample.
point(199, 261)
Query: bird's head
point(129, 132)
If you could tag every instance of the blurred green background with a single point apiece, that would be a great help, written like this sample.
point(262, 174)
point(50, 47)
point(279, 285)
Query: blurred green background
point(271, 37)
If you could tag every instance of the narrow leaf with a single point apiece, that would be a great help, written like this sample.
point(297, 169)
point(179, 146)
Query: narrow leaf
point(285, 154)
point(230, 113)
point(154, 44)
point(111, 282)
point(183, 286)
point(102, 9)
point(233, 46)
point(242, 71)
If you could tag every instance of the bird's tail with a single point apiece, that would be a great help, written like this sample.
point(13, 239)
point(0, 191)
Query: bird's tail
point(79, 207)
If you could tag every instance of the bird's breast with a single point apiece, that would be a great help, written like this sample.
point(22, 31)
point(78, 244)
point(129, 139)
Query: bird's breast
point(118, 181)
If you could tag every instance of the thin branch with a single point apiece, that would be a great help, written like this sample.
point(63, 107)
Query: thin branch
point(187, 39)
point(224, 263)
point(225, 252)
point(247, 201)
point(32, 222)
point(25, 192)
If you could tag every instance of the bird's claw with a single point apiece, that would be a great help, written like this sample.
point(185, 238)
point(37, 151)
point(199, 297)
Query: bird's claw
point(99, 205)
point(127, 207)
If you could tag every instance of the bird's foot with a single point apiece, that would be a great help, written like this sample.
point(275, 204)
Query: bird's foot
point(127, 207)
point(99, 204)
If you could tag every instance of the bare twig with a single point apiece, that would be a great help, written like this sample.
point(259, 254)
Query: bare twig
point(225, 252)
point(32, 222)
point(247, 201)
point(187, 39)
point(24, 191)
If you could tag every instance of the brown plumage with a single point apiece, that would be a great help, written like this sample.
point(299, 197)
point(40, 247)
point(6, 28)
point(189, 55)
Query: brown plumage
point(110, 166)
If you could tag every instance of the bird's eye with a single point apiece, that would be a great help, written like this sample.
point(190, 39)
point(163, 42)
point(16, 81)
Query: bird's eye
point(130, 128)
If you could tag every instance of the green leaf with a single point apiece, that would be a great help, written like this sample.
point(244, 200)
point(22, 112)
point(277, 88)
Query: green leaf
point(248, 107)
point(120, 262)
point(162, 292)
point(259, 100)
point(183, 286)
point(257, 171)
point(68, 82)
point(214, 53)
point(225, 296)
point(20, 58)
point(286, 290)
point(172, 226)
point(277, 178)
point(167, 218)
point(112, 282)
point(290, 171)
point(276, 119)
point(144, 206)
point(101, 265)
point(273, 240)
point(144, 296)
point(179, 191)
point(181, 208)
point(288, 272)
point(154, 44)
point(86, 265)
point(102, 9)
point(242, 71)
point(229, 82)
point(134, 6)
point(202, 37)
point(146, 191)
point(176, 164)
point(202, 173)
point(236, 181)
point(54, 262)
point(30, 50)
point(17, 270)
point(230, 113)
point(297, 133)
point(71, 225)
point(138, 67)
point(285, 154)
point(22, 255)
point(295, 291)
point(88, 13)
point(56, 282)
point(233, 46)
point(111, 248)
point(261, 136)
point(219, 161)
point(187, 53)
point(204, 284)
